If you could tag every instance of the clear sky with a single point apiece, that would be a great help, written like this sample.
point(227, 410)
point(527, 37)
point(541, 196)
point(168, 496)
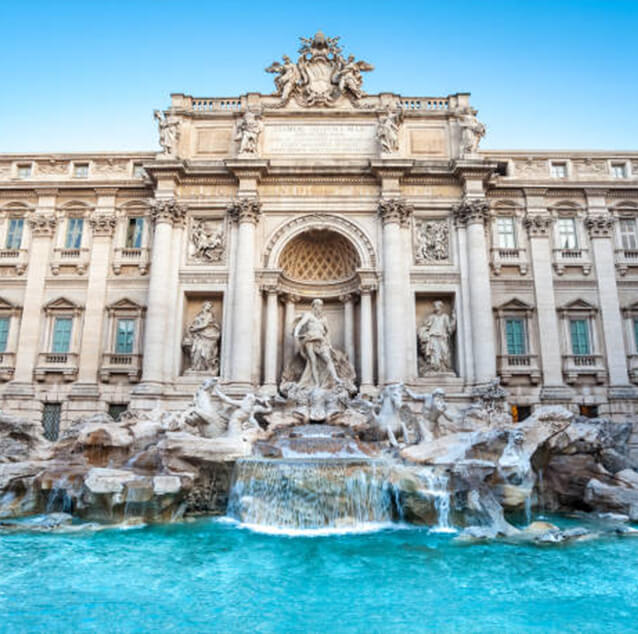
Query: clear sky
point(84, 76)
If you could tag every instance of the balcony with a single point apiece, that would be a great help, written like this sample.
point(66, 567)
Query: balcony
point(64, 363)
point(115, 364)
point(14, 258)
point(626, 258)
point(7, 365)
point(131, 257)
point(509, 257)
point(575, 365)
point(572, 257)
point(518, 365)
point(70, 261)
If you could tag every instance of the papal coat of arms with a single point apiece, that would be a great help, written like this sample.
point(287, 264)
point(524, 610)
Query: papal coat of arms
point(321, 74)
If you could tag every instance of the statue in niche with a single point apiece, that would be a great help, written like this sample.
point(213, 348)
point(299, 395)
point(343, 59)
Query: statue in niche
point(209, 244)
point(472, 131)
point(388, 131)
point(435, 338)
point(317, 365)
point(202, 340)
point(248, 130)
point(168, 132)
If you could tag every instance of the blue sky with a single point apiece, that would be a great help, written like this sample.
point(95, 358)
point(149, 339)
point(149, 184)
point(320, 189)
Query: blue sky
point(84, 76)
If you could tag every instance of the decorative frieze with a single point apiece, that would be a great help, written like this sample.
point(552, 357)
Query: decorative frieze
point(395, 210)
point(600, 225)
point(168, 210)
point(246, 209)
point(207, 240)
point(41, 225)
point(432, 241)
point(102, 225)
point(470, 211)
point(538, 225)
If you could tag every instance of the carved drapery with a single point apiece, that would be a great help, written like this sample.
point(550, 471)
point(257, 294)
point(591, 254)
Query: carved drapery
point(207, 240)
point(432, 241)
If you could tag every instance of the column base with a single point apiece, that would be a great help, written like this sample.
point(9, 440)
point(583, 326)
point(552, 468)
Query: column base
point(556, 393)
point(19, 390)
point(84, 391)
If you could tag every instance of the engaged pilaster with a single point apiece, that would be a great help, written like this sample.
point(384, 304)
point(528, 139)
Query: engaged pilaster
point(394, 212)
point(246, 212)
point(472, 213)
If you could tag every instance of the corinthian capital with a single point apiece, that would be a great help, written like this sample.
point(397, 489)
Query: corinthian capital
point(395, 210)
point(41, 225)
point(538, 225)
point(600, 225)
point(471, 210)
point(102, 225)
point(168, 210)
point(245, 210)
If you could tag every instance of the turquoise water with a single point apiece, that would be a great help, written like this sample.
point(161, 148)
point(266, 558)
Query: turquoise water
point(213, 576)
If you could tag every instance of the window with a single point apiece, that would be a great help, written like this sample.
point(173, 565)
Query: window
point(61, 334)
point(618, 170)
point(80, 170)
point(51, 420)
point(4, 333)
point(588, 411)
point(567, 233)
point(520, 412)
point(14, 233)
point(628, 233)
point(559, 170)
point(515, 336)
point(505, 231)
point(579, 330)
point(125, 336)
point(116, 410)
point(74, 233)
point(24, 170)
point(138, 171)
point(134, 232)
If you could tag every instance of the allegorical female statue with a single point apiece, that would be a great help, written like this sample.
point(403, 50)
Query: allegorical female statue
point(202, 340)
point(435, 336)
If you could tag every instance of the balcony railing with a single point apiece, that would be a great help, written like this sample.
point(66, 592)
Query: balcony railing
point(509, 257)
point(510, 365)
point(64, 363)
point(584, 364)
point(626, 258)
point(7, 365)
point(15, 258)
point(572, 257)
point(129, 256)
point(425, 103)
point(75, 260)
point(114, 363)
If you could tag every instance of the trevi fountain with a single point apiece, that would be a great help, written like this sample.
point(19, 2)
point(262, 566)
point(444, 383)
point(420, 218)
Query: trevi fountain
point(353, 476)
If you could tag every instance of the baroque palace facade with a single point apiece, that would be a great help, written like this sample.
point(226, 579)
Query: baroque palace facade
point(128, 278)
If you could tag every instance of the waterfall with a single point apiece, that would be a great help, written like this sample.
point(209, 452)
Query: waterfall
point(310, 493)
point(437, 486)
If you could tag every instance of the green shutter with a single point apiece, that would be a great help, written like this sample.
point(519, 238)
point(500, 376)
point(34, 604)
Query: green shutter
point(125, 335)
point(580, 336)
point(515, 335)
point(4, 333)
point(61, 334)
point(635, 334)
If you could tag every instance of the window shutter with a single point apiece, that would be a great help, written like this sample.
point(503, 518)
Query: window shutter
point(515, 335)
point(61, 334)
point(580, 336)
point(4, 333)
point(125, 335)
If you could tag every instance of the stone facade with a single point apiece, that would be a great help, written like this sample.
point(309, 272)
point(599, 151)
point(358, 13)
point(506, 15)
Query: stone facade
point(119, 269)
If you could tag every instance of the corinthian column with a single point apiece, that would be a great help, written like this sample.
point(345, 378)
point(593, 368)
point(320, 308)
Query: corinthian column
point(394, 212)
point(473, 214)
point(600, 227)
point(165, 213)
point(42, 229)
point(102, 225)
point(246, 212)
